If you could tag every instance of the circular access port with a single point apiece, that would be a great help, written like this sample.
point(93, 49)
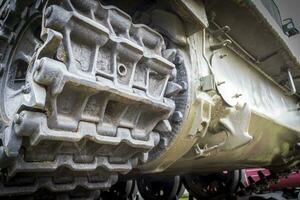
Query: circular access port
point(122, 70)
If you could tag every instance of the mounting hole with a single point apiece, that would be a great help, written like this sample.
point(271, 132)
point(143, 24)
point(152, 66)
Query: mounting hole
point(122, 70)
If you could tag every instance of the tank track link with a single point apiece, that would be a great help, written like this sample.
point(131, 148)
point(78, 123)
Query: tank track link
point(43, 194)
point(98, 95)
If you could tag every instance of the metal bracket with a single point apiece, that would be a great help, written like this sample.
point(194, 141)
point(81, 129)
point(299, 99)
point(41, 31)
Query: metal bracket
point(221, 31)
point(207, 83)
point(220, 45)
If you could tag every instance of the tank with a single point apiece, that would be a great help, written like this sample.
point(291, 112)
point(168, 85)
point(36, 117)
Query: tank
point(108, 98)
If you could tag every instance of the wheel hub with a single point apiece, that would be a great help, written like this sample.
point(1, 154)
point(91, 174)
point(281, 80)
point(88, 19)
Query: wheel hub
point(18, 63)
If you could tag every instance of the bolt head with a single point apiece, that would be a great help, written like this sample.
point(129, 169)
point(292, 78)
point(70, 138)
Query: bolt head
point(18, 119)
point(177, 117)
point(178, 60)
point(184, 86)
point(163, 143)
point(26, 89)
